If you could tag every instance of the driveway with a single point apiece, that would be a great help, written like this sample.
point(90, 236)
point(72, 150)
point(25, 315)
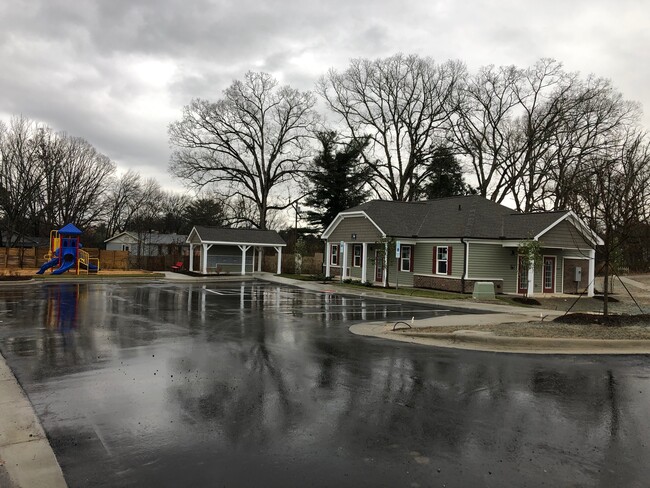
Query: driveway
point(258, 384)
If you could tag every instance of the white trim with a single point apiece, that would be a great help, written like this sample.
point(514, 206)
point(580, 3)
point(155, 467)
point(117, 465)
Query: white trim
point(592, 272)
point(437, 241)
point(354, 246)
point(577, 222)
point(344, 215)
point(364, 262)
point(446, 273)
point(449, 277)
point(466, 266)
point(410, 259)
point(544, 256)
point(135, 238)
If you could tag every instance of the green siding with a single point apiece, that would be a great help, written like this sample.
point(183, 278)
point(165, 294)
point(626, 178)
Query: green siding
point(564, 235)
point(493, 261)
point(424, 258)
point(362, 227)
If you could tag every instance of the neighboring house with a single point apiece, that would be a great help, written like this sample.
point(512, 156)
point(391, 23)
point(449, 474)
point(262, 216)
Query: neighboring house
point(227, 250)
point(23, 241)
point(452, 243)
point(148, 244)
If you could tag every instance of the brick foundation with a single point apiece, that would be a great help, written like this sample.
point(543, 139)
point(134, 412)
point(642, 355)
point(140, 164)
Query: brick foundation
point(448, 284)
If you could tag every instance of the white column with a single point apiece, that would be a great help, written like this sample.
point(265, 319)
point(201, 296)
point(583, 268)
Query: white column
point(253, 266)
point(204, 259)
point(531, 279)
point(327, 258)
point(259, 260)
point(243, 258)
point(592, 272)
point(279, 251)
point(364, 262)
point(344, 260)
point(191, 257)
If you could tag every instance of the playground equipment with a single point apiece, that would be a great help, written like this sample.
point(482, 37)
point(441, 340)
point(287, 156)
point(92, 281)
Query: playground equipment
point(66, 254)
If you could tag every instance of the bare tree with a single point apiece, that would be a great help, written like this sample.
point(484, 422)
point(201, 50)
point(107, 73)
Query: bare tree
point(20, 176)
point(404, 104)
point(249, 143)
point(613, 195)
point(487, 105)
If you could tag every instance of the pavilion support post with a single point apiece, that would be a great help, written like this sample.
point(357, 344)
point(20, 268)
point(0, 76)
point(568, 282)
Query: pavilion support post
point(279, 251)
point(243, 258)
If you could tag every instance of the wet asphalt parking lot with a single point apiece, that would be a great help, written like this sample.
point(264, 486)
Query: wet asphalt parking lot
point(258, 384)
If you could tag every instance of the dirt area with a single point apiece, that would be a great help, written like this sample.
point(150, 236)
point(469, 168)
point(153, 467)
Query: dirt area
point(27, 273)
point(641, 331)
point(585, 320)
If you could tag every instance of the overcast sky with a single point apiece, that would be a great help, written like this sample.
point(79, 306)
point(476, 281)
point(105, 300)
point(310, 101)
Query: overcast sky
point(117, 72)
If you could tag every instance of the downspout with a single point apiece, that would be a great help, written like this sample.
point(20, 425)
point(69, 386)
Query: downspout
point(465, 264)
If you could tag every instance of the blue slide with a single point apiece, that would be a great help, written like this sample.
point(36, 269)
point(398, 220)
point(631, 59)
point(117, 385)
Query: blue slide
point(48, 265)
point(68, 262)
point(91, 267)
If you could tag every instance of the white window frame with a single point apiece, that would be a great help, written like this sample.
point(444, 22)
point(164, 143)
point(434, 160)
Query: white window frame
point(334, 254)
point(403, 258)
point(356, 247)
point(440, 261)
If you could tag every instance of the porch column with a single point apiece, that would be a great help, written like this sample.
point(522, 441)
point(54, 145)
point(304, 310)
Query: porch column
point(592, 272)
point(259, 260)
point(385, 281)
point(531, 279)
point(364, 262)
point(191, 257)
point(344, 259)
point(204, 257)
point(327, 258)
point(243, 258)
point(253, 266)
point(279, 251)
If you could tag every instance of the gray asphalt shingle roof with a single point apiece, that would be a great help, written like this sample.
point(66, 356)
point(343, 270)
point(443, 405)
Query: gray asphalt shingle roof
point(239, 236)
point(468, 216)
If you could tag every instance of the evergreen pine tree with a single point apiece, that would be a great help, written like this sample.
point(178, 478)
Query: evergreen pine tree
point(337, 179)
point(446, 176)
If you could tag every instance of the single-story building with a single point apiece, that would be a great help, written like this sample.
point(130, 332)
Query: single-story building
point(452, 243)
point(147, 244)
point(226, 250)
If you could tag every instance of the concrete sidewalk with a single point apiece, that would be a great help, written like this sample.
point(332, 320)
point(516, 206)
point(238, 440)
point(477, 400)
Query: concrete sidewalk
point(26, 458)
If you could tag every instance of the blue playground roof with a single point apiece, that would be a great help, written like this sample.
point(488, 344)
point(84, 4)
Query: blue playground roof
point(70, 229)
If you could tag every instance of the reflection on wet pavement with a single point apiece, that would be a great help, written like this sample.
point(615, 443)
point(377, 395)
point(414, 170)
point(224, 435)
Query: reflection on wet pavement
point(255, 384)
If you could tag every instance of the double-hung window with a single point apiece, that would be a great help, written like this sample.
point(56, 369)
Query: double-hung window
point(442, 260)
point(334, 255)
point(356, 254)
point(406, 261)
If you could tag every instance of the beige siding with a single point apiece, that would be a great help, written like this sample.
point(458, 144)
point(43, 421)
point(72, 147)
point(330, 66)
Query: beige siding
point(362, 227)
point(491, 261)
point(564, 235)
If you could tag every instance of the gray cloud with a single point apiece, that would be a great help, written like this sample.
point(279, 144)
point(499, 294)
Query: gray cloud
point(117, 73)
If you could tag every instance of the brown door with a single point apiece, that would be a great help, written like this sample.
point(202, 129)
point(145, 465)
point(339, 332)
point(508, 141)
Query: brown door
point(548, 276)
point(522, 277)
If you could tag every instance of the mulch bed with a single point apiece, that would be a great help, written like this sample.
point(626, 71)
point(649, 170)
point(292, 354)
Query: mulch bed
point(611, 320)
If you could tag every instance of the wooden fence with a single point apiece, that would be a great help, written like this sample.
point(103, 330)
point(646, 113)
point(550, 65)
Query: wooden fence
point(310, 264)
point(34, 257)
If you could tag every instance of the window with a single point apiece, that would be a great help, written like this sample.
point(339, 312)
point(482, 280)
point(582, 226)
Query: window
point(334, 255)
point(357, 253)
point(405, 258)
point(442, 260)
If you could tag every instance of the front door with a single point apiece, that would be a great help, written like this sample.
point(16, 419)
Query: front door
point(522, 277)
point(379, 266)
point(548, 276)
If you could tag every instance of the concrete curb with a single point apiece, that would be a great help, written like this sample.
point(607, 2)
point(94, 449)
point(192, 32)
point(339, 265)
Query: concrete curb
point(487, 341)
point(29, 461)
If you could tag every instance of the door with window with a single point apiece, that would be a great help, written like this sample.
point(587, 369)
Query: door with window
point(522, 276)
point(548, 276)
point(379, 266)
